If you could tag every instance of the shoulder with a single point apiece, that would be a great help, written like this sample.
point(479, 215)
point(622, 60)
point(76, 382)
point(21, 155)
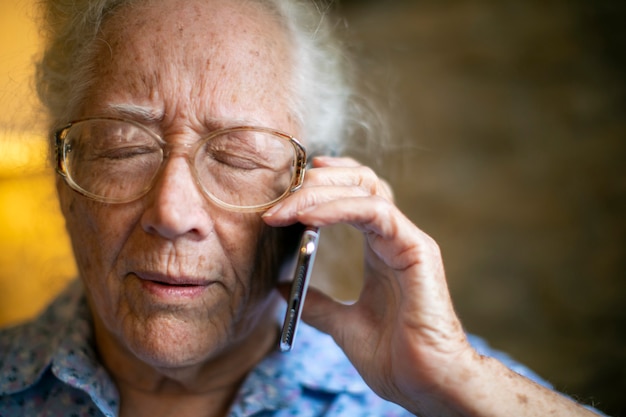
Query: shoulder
point(26, 350)
point(323, 378)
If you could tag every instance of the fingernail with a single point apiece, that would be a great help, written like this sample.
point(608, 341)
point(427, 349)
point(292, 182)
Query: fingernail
point(272, 210)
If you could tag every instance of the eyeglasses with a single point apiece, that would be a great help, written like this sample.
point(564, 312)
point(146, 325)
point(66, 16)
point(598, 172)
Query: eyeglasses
point(241, 168)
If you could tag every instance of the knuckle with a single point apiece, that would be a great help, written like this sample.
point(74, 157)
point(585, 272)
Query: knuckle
point(381, 207)
point(367, 178)
point(431, 245)
point(386, 190)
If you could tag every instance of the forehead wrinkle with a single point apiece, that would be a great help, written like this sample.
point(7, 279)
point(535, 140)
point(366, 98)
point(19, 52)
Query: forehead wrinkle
point(134, 111)
point(192, 71)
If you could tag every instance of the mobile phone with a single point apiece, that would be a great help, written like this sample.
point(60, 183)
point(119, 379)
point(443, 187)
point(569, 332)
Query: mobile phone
point(301, 277)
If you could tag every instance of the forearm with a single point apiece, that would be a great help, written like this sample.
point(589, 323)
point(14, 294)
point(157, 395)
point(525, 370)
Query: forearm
point(484, 387)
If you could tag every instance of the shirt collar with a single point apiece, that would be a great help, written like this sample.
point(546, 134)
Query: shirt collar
point(315, 364)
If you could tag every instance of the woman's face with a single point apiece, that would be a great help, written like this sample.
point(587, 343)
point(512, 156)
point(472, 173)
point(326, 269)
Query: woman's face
point(172, 278)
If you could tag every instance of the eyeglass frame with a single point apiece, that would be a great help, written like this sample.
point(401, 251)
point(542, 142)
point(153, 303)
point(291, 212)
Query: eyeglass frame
point(60, 134)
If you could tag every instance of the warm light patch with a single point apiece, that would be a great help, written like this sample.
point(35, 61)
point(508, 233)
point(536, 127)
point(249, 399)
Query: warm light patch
point(35, 255)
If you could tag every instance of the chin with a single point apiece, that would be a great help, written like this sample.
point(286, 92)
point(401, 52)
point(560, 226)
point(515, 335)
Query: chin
point(171, 342)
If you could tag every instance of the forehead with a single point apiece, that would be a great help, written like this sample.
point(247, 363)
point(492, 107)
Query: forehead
point(192, 24)
point(185, 56)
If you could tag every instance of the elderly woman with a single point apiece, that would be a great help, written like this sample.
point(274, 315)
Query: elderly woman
point(175, 125)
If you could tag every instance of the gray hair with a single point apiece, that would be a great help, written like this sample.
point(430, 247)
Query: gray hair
point(322, 100)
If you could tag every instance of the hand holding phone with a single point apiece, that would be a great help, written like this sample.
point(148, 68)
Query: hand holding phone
point(302, 274)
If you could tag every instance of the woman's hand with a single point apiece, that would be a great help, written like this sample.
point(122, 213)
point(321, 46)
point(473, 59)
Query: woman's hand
point(402, 334)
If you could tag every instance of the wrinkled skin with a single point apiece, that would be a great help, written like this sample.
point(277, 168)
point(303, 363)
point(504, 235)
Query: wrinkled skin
point(182, 291)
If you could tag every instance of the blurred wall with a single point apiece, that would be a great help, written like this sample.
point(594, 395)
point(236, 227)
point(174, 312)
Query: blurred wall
point(508, 147)
point(510, 140)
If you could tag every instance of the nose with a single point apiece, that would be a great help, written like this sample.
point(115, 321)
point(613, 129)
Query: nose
point(175, 206)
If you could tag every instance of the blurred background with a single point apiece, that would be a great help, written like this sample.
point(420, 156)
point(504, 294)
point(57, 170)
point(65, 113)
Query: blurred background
point(508, 145)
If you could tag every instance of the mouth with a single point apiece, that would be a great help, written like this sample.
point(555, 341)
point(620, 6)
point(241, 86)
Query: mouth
point(171, 287)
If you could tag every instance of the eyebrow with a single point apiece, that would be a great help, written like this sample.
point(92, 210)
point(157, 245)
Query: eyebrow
point(136, 112)
point(150, 115)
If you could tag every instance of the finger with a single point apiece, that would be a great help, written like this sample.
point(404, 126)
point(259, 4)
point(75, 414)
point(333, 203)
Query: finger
point(286, 212)
point(342, 176)
point(347, 162)
point(334, 161)
point(389, 233)
point(369, 214)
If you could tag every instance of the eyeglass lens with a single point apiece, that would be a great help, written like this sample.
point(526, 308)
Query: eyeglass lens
point(116, 161)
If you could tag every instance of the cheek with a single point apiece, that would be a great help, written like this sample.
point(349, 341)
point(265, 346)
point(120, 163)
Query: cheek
point(97, 232)
point(271, 247)
point(252, 251)
point(78, 226)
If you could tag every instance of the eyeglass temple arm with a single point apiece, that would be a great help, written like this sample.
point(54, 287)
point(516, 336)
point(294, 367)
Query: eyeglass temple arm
point(301, 166)
point(59, 145)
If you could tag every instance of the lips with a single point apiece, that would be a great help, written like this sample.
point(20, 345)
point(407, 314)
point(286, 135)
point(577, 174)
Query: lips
point(172, 287)
point(182, 281)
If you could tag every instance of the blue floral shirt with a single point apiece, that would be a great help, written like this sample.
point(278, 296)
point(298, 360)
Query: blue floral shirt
point(48, 367)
